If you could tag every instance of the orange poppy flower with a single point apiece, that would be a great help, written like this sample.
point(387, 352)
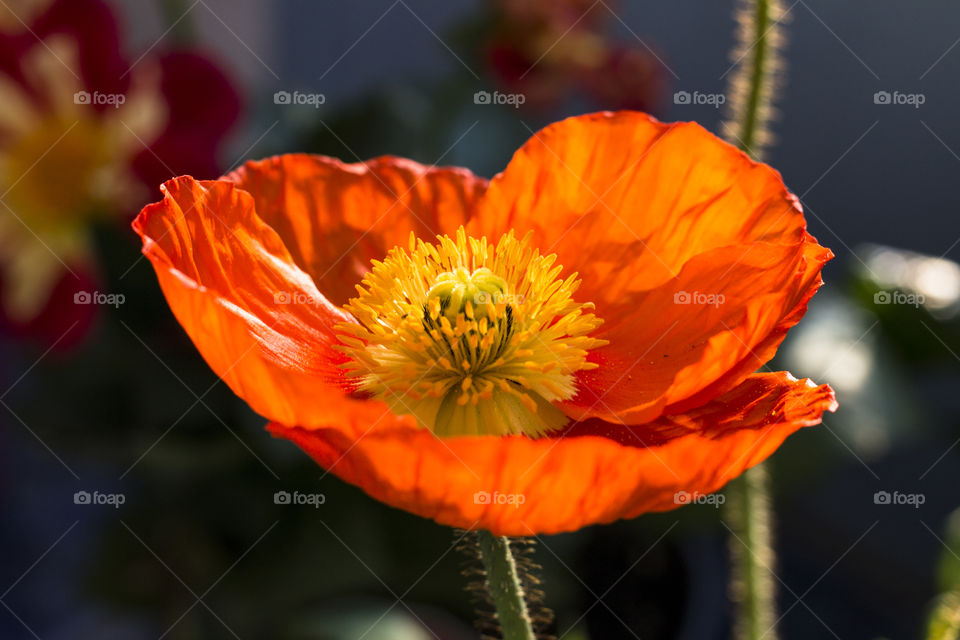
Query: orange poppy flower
point(570, 343)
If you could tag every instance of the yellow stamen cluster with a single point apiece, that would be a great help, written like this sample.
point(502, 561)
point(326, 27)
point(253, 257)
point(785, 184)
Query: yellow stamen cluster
point(468, 337)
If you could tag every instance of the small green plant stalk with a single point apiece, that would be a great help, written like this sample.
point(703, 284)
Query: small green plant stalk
point(505, 586)
point(760, 69)
point(506, 589)
point(750, 95)
point(748, 514)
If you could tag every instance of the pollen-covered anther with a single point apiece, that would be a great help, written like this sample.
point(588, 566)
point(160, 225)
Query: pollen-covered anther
point(468, 337)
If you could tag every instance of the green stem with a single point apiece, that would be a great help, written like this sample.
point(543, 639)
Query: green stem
point(748, 515)
point(505, 588)
point(748, 511)
point(755, 94)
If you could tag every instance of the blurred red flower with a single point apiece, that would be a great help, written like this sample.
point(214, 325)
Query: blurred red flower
point(83, 131)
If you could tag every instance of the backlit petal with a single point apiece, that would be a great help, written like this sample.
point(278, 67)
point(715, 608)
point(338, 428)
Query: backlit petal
point(256, 318)
point(336, 217)
point(569, 482)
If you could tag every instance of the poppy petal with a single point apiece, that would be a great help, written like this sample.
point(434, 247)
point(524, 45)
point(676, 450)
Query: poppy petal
point(258, 320)
point(758, 355)
point(626, 201)
point(519, 486)
point(336, 217)
point(644, 212)
point(699, 334)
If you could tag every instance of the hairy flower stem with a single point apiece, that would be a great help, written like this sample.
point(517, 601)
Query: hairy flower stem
point(748, 515)
point(755, 96)
point(506, 590)
point(758, 76)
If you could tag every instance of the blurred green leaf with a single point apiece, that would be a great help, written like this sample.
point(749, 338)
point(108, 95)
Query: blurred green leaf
point(945, 620)
point(948, 570)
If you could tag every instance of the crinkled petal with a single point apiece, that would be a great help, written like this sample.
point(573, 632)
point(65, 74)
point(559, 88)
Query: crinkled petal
point(256, 318)
point(626, 201)
point(519, 486)
point(650, 214)
point(336, 217)
point(699, 334)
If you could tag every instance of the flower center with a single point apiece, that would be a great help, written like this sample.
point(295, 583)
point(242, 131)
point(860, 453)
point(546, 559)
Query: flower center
point(468, 337)
point(74, 158)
